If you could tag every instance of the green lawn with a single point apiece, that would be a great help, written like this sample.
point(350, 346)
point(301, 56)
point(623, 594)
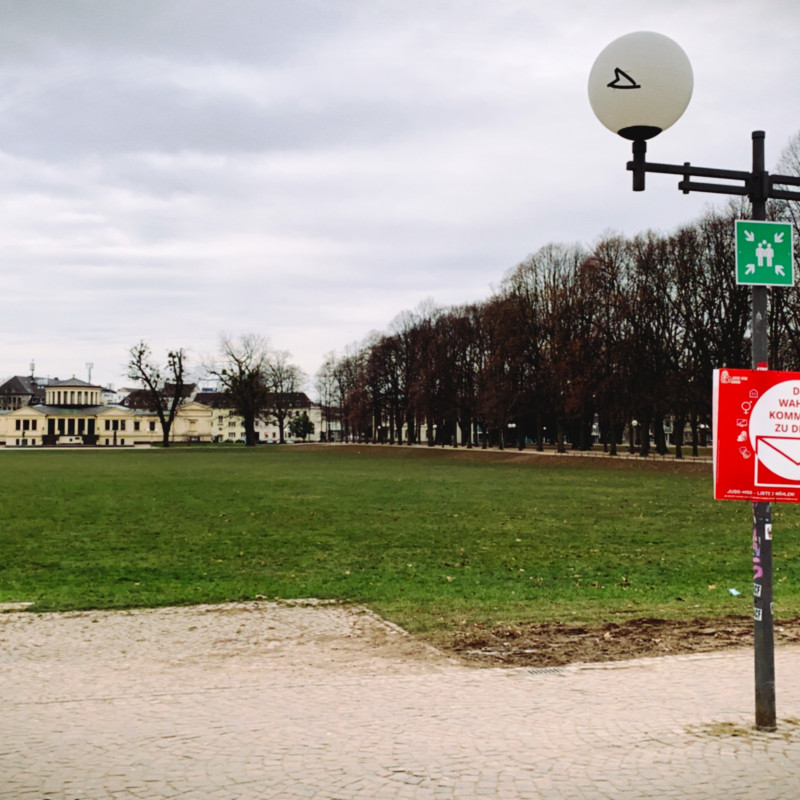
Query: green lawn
point(428, 538)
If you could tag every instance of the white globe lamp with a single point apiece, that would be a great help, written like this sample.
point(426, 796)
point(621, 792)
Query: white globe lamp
point(640, 85)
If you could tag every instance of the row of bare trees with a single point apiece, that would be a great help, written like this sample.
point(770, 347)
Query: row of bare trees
point(257, 381)
point(574, 341)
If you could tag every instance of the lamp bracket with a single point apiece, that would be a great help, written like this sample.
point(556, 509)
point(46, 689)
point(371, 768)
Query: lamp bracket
point(754, 184)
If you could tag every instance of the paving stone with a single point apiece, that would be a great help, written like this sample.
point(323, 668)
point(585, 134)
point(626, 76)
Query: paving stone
point(276, 715)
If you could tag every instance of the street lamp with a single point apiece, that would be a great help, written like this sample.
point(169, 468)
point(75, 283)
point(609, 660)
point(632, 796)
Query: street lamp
point(652, 91)
point(639, 86)
point(704, 429)
point(512, 429)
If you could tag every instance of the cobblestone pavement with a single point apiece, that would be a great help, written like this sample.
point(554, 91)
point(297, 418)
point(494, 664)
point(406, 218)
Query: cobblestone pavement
point(268, 701)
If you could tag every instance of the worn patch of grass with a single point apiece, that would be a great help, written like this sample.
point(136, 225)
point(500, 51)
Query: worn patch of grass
point(429, 538)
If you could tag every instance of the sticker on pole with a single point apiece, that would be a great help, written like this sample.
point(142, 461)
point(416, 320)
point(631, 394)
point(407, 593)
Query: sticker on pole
point(764, 253)
point(756, 435)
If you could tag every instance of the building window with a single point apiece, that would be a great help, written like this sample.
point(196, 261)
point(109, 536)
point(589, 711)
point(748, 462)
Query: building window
point(136, 426)
point(152, 426)
point(108, 427)
point(19, 426)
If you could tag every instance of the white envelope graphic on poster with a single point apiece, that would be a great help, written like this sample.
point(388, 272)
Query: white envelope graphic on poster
point(780, 455)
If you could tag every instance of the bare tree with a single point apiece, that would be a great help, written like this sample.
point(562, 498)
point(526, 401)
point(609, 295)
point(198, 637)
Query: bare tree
point(498, 383)
point(405, 350)
point(285, 381)
point(348, 375)
point(326, 386)
point(545, 289)
point(242, 368)
point(788, 164)
point(163, 387)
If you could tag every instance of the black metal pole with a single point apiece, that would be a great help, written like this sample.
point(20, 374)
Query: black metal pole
point(759, 186)
point(763, 625)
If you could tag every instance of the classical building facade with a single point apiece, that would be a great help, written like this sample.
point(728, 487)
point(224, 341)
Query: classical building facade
point(76, 413)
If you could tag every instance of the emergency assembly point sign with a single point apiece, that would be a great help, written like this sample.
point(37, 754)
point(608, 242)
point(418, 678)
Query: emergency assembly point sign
point(756, 435)
point(764, 253)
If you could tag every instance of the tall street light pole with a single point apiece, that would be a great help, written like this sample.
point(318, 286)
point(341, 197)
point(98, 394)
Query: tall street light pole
point(639, 86)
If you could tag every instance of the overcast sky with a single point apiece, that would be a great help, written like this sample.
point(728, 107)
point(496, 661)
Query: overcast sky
point(308, 169)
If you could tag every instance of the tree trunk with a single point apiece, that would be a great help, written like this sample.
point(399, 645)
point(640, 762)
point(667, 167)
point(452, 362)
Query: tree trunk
point(677, 432)
point(644, 434)
point(615, 437)
point(249, 431)
point(166, 427)
point(632, 431)
point(660, 436)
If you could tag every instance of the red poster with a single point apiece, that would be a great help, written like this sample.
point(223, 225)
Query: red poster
point(756, 435)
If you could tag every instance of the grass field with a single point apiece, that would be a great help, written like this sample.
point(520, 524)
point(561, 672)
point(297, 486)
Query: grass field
point(428, 538)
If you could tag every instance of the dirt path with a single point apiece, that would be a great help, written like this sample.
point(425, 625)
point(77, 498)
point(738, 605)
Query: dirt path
point(301, 636)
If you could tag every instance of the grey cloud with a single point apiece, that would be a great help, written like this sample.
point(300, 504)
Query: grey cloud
point(253, 30)
point(95, 81)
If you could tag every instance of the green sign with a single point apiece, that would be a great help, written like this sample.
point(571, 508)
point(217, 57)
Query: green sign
point(764, 253)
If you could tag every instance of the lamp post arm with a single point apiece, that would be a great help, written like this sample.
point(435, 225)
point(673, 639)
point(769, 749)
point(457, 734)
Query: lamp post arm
point(778, 194)
point(784, 180)
point(713, 188)
point(758, 183)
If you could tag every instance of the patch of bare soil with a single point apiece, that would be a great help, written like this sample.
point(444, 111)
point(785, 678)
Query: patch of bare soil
point(236, 638)
point(556, 644)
